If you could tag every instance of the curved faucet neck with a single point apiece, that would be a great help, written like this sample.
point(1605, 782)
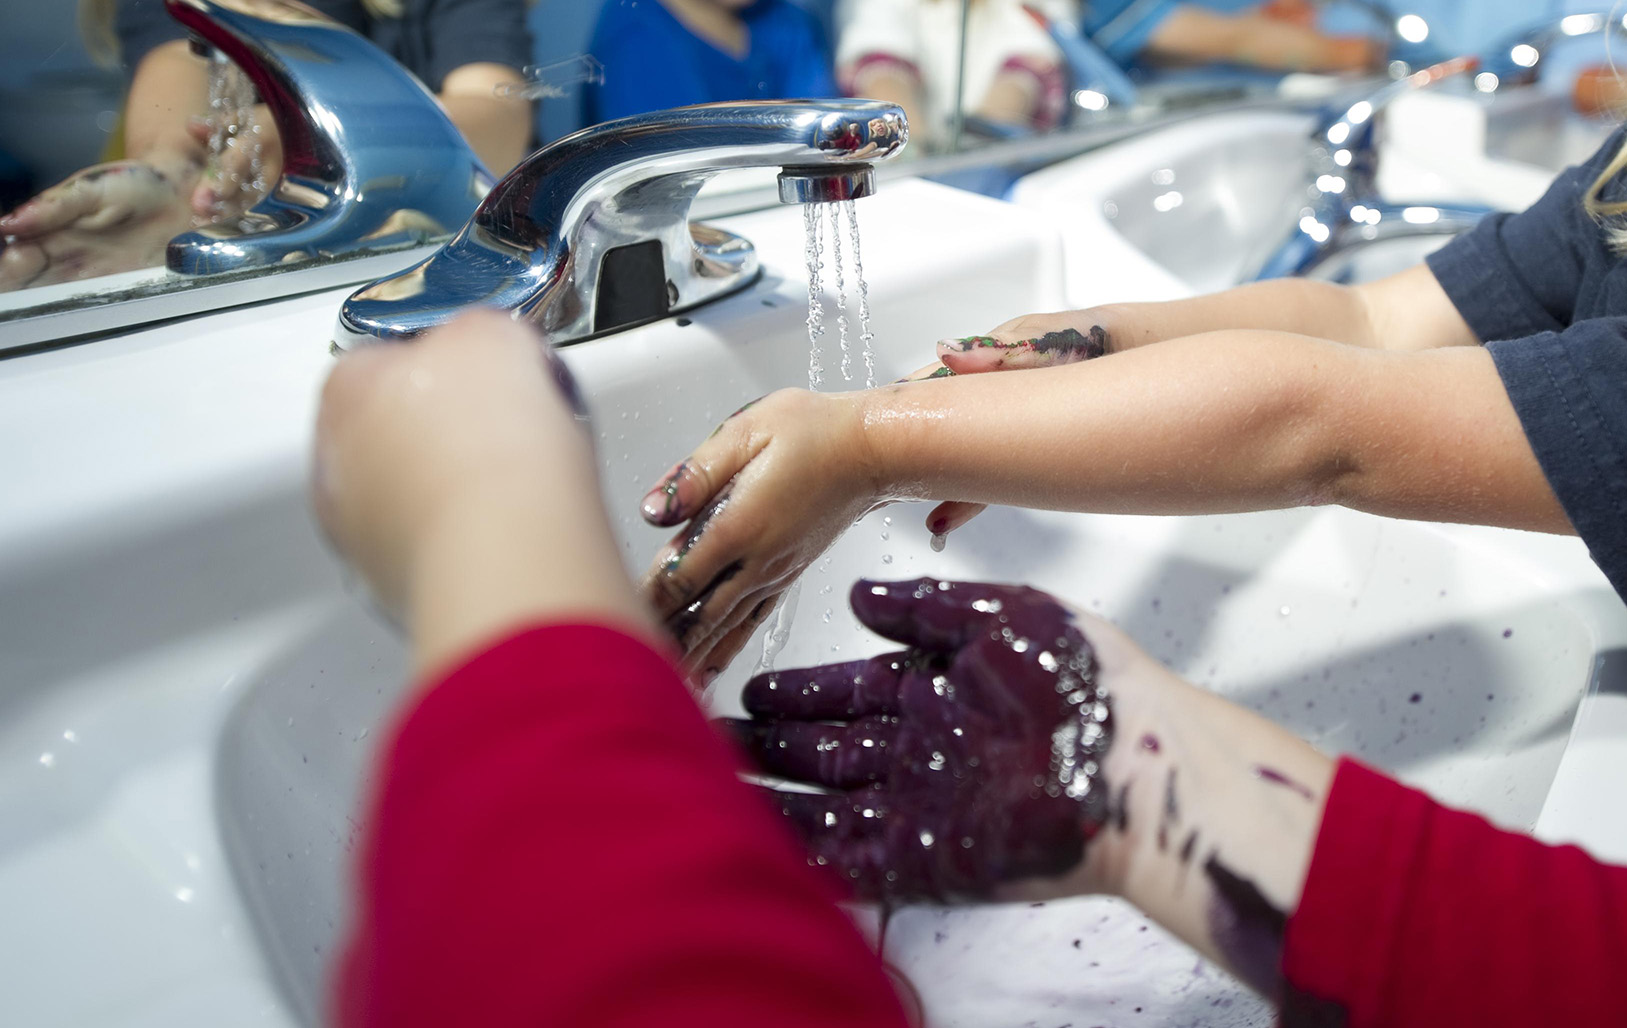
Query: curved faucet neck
point(542, 240)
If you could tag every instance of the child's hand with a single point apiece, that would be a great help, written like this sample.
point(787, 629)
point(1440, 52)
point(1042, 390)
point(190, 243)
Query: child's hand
point(454, 475)
point(101, 220)
point(970, 760)
point(773, 487)
point(1032, 341)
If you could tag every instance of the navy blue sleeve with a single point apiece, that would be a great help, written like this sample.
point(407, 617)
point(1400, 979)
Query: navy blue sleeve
point(464, 32)
point(1570, 391)
point(1519, 274)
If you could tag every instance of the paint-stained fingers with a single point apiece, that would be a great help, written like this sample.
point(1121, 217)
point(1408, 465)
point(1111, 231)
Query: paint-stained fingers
point(689, 485)
point(57, 208)
point(927, 371)
point(1013, 351)
point(830, 692)
point(719, 650)
point(679, 573)
point(680, 494)
point(686, 623)
point(834, 756)
point(21, 263)
point(951, 514)
point(846, 832)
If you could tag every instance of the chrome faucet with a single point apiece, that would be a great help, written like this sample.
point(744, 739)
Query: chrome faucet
point(369, 157)
point(592, 232)
point(1515, 60)
point(1345, 209)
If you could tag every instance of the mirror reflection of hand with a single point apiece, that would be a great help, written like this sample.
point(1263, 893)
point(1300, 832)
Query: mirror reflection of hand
point(968, 761)
point(104, 219)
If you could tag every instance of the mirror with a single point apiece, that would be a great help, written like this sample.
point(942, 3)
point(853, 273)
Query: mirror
point(98, 82)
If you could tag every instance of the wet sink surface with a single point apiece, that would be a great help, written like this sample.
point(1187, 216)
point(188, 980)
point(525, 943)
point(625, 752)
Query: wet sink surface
point(171, 608)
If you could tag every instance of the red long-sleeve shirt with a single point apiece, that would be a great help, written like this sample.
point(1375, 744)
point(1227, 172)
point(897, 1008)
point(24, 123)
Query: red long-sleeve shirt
point(1417, 915)
point(562, 841)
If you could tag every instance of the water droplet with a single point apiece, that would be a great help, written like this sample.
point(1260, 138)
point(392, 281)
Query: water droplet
point(939, 541)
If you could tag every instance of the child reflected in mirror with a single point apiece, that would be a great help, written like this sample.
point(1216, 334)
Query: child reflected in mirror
point(671, 53)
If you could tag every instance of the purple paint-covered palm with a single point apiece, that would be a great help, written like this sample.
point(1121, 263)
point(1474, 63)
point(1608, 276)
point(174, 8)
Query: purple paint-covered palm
point(970, 759)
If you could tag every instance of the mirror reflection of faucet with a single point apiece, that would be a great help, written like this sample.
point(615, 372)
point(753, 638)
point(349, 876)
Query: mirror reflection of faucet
point(1517, 59)
point(592, 233)
point(1346, 210)
point(370, 159)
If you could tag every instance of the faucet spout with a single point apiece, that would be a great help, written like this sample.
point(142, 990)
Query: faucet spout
point(592, 233)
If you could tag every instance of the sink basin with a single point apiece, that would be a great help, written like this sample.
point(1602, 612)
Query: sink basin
point(1203, 203)
point(193, 698)
point(1440, 654)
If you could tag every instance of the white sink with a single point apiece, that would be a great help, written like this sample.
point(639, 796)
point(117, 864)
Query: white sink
point(1203, 203)
point(191, 698)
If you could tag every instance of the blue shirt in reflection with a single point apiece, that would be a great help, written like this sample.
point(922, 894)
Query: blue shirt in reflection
point(1121, 28)
point(652, 61)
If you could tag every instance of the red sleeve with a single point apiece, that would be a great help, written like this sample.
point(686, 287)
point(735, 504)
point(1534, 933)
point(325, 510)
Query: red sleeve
point(1414, 914)
point(561, 840)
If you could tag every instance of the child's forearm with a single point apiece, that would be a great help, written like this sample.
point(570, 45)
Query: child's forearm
point(1318, 309)
point(1227, 421)
point(1405, 312)
point(1215, 816)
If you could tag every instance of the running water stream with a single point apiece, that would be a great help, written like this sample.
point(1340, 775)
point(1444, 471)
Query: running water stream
point(843, 215)
point(236, 146)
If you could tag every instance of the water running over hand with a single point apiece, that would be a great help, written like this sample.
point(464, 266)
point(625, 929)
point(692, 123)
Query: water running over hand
point(813, 223)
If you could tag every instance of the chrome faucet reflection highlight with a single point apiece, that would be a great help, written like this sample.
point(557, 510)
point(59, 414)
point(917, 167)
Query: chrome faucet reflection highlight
point(1346, 211)
point(592, 232)
point(1517, 60)
point(370, 159)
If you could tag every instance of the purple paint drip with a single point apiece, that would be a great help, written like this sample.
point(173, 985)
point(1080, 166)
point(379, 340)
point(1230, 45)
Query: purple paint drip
point(1266, 774)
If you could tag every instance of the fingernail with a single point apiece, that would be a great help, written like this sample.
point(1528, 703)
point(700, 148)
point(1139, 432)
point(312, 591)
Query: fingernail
point(969, 343)
point(660, 505)
point(708, 677)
